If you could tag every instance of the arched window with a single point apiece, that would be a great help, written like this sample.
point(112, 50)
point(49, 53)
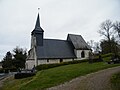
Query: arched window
point(82, 54)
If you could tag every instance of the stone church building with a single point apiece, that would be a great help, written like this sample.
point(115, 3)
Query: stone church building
point(46, 51)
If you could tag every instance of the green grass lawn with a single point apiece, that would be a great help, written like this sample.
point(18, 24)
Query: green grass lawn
point(115, 81)
point(54, 76)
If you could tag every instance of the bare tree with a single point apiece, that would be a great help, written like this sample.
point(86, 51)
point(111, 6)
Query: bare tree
point(91, 44)
point(116, 26)
point(97, 48)
point(107, 31)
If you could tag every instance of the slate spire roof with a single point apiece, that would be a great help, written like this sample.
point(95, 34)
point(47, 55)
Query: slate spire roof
point(37, 22)
point(37, 28)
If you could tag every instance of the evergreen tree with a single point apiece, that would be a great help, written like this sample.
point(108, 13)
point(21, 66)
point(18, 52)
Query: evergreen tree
point(20, 56)
point(7, 61)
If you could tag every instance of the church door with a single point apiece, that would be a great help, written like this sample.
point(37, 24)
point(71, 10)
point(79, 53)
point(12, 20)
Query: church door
point(61, 60)
point(82, 54)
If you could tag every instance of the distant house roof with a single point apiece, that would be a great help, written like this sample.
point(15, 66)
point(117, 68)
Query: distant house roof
point(55, 49)
point(78, 42)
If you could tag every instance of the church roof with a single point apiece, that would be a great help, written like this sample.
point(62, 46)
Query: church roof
point(55, 49)
point(78, 42)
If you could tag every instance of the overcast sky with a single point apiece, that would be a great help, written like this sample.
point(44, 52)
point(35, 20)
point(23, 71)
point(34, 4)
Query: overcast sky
point(57, 18)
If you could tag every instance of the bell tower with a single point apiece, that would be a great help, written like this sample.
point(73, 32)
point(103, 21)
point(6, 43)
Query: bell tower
point(37, 34)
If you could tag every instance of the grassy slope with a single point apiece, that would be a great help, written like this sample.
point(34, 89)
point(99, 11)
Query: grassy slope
point(115, 81)
point(55, 76)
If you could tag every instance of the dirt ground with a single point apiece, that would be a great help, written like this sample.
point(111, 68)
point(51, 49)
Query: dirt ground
point(95, 81)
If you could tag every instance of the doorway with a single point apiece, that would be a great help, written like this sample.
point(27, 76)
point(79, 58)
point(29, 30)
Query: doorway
point(82, 54)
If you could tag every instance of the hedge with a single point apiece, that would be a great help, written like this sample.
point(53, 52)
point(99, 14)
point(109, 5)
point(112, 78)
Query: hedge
point(47, 66)
point(107, 55)
point(23, 75)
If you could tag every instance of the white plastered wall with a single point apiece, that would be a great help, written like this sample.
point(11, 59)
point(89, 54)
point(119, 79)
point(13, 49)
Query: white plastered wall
point(67, 60)
point(78, 53)
point(31, 59)
point(50, 61)
point(30, 64)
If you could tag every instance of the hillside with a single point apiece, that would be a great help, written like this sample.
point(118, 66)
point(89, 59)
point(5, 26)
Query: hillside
point(54, 76)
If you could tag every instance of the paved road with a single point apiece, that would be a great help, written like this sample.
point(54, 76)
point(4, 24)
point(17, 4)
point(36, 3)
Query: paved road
point(95, 81)
point(4, 76)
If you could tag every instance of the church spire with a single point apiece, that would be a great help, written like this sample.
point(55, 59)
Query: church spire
point(37, 25)
point(37, 22)
point(38, 33)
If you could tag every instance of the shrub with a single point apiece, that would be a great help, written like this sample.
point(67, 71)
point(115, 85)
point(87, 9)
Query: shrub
point(107, 55)
point(47, 66)
point(23, 75)
point(95, 60)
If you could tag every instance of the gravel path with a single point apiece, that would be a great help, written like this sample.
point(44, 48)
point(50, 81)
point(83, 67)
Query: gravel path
point(96, 81)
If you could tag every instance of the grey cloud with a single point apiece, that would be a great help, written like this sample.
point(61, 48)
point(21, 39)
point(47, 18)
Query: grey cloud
point(58, 18)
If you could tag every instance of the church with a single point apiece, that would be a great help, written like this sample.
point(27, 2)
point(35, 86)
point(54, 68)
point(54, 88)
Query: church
point(48, 51)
